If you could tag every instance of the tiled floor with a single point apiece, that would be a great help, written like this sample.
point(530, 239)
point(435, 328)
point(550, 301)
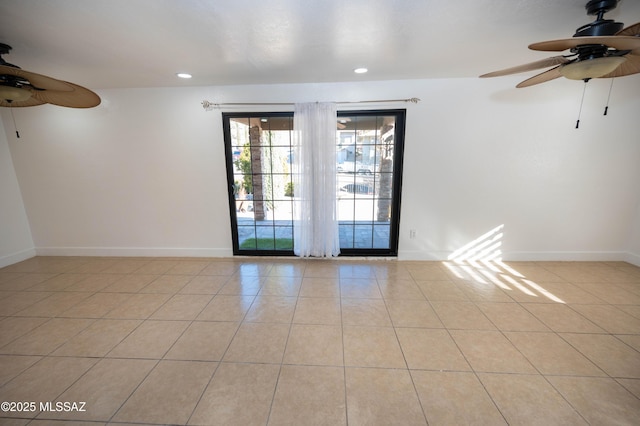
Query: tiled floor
point(287, 341)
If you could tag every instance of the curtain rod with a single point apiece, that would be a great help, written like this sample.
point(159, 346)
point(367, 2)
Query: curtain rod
point(207, 105)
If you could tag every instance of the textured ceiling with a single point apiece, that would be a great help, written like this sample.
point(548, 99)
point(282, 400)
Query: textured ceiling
point(144, 43)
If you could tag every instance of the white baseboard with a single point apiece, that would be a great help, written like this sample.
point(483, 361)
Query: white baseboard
point(133, 251)
point(12, 258)
point(532, 256)
point(632, 258)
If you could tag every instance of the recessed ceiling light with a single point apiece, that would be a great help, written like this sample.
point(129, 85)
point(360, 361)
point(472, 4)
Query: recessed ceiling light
point(360, 70)
point(184, 75)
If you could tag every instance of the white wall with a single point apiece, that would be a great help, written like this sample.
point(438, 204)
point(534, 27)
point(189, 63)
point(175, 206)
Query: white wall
point(15, 237)
point(633, 255)
point(144, 173)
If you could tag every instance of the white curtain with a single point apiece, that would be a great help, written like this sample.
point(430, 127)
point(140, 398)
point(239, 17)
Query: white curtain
point(315, 227)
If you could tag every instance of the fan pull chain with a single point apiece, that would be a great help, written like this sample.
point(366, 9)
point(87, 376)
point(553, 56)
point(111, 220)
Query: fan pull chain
point(581, 102)
point(14, 123)
point(606, 108)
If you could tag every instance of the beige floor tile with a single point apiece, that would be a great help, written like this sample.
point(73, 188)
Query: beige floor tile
point(258, 342)
point(412, 313)
point(632, 385)
point(552, 355)
point(125, 266)
point(321, 269)
point(254, 268)
point(396, 270)
point(168, 394)
point(427, 271)
point(170, 284)
point(442, 291)
point(182, 307)
point(599, 400)
point(392, 289)
point(316, 310)
point(571, 293)
point(357, 270)
point(579, 272)
point(203, 341)
point(27, 282)
point(94, 265)
point(511, 317)
point(104, 388)
point(360, 288)
point(242, 285)
point(611, 293)
point(372, 347)
point(610, 354)
point(287, 269)
point(462, 316)
point(152, 339)
point(314, 345)
point(45, 380)
point(281, 286)
point(633, 310)
point(529, 400)
point(308, 395)
point(188, 267)
point(13, 365)
point(131, 283)
point(94, 282)
point(368, 312)
point(13, 327)
point(320, 287)
point(610, 318)
point(138, 306)
point(204, 284)
point(501, 318)
point(18, 301)
point(221, 267)
point(382, 397)
point(46, 338)
point(561, 318)
point(429, 349)
point(156, 267)
point(54, 305)
point(238, 395)
point(632, 340)
point(96, 306)
point(226, 308)
point(490, 351)
point(59, 282)
point(98, 338)
point(486, 292)
point(530, 270)
point(274, 309)
point(455, 398)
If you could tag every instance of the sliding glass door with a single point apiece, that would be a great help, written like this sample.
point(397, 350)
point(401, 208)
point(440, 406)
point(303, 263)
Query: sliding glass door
point(261, 191)
point(369, 163)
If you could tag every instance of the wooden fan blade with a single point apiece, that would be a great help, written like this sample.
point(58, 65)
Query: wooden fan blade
point(628, 67)
point(19, 104)
point(38, 81)
point(616, 42)
point(78, 97)
point(543, 63)
point(631, 30)
point(551, 74)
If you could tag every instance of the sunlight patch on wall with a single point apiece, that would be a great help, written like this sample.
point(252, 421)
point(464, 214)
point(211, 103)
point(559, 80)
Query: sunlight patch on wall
point(485, 247)
point(479, 264)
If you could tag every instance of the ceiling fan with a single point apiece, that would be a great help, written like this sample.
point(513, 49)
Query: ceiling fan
point(20, 88)
point(601, 49)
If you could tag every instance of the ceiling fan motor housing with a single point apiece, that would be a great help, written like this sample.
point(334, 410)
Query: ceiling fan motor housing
point(600, 27)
